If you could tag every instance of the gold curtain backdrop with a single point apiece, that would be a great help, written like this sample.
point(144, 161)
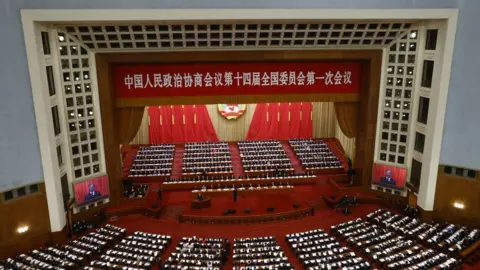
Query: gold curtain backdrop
point(142, 135)
point(324, 121)
point(128, 122)
point(231, 130)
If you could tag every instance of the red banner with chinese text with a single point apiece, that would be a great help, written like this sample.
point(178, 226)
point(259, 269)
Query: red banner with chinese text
point(144, 81)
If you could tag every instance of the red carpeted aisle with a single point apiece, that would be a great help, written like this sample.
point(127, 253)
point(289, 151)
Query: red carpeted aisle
point(297, 166)
point(236, 160)
point(178, 161)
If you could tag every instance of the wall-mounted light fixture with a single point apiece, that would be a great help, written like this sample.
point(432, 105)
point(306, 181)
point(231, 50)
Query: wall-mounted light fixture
point(22, 229)
point(458, 205)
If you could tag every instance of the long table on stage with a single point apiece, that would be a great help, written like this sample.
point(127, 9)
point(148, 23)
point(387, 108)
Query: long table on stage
point(208, 174)
point(205, 203)
point(148, 179)
point(326, 170)
point(238, 183)
point(262, 172)
point(244, 192)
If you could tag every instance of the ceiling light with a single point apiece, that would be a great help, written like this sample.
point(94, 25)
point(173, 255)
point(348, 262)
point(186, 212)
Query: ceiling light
point(61, 38)
point(413, 35)
point(458, 205)
point(22, 229)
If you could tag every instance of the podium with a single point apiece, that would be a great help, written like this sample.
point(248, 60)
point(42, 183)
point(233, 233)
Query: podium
point(205, 203)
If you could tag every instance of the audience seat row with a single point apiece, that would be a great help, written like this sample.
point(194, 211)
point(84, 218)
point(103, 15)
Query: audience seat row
point(264, 156)
point(314, 154)
point(206, 157)
point(317, 249)
point(153, 160)
point(198, 253)
point(259, 253)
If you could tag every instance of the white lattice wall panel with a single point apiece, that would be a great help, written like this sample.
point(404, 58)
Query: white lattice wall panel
point(80, 112)
point(397, 102)
point(237, 35)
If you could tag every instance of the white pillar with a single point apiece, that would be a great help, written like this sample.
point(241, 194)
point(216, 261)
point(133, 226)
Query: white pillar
point(442, 57)
point(46, 136)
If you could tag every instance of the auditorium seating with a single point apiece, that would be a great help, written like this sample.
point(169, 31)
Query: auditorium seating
point(386, 239)
point(446, 237)
point(207, 158)
point(76, 253)
point(317, 249)
point(198, 253)
point(138, 251)
point(314, 154)
point(264, 156)
point(135, 191)
point(153, 160)
point(259, 253)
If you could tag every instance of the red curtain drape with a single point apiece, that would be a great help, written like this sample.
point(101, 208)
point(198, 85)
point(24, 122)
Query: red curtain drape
point(204, 129)
point(154, 126)
point(306, 126)
point(398, 174)
point(81, 188)
point(281, 121)
point(294, 130)
point(179, 124)
point(166, 127)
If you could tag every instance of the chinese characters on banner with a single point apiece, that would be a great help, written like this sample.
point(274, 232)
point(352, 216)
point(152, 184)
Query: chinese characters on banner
point(236, 79)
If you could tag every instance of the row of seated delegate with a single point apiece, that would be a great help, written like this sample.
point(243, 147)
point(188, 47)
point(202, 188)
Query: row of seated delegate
point(391, 249)
point(140, 251)
point(206, 157)
point(259, 253)
point(317, 249)
point(199, 253)
point(153, 160)
point(212, 179)
point(314, 154)
point(135, 191)
point(264, 156)
point(71, 256)
point(227, 188)
point(446, 237)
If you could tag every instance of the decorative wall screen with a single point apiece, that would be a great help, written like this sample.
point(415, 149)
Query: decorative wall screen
point(80, 113)
point(396, 114)
point(169, 37)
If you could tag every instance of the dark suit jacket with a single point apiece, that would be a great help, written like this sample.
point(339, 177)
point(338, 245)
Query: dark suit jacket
point(385, 180)
point(89, 196)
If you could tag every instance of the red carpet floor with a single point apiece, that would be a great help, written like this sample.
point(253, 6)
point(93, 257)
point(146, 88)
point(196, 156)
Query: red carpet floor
point(257, 203)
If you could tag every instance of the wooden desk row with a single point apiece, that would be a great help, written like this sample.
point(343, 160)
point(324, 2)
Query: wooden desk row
point(230, 173)
point(244, 192)
point(250, 219)
point(327, 170)
point(262, 172)
point(238, 183)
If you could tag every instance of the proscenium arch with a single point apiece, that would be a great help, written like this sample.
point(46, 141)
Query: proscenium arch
point(370, 60)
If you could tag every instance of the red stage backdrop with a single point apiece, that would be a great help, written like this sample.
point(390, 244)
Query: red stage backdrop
point(180, 124)
point(399, 175)
point(143, 81)
point(101, 186)
point(281, 121)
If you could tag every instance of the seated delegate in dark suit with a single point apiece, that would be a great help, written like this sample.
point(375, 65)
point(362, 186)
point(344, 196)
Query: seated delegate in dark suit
point(92, 193)
point(387, 179)
point(199, 197)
